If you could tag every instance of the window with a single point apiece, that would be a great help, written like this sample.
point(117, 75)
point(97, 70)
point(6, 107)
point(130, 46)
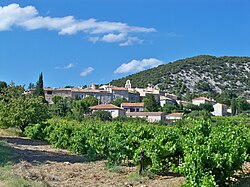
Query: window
point(49, 92)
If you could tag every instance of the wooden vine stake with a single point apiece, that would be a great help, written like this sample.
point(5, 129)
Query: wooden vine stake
point(142, 162)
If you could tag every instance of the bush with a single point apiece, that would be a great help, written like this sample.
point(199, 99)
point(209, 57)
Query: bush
point(102, 115)
point(35, 131)
point(207, 155)
point(212, 155)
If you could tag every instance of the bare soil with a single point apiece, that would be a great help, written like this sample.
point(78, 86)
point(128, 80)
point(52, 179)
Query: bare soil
point(36, 160)
point(39, 161)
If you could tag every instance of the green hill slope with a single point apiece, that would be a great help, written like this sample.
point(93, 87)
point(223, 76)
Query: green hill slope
point(200, 74)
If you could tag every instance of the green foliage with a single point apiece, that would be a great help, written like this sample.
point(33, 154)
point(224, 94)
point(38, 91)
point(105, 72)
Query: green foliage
point(61, 107)
point(35, 131)
point(239, 105)
point(234, 106)
point(211, 155)
point(169, 108)
point(2, 85)
point(18, 110)
point(207, 155)
point(79, 108)
point(175, 76)
point(39, 91)
point(119, 101)
point(102, 115)
point(90, 101)
point(207, 106)
point(226, 97)
point(199, 114)
point(150, 103)
point(203, 86)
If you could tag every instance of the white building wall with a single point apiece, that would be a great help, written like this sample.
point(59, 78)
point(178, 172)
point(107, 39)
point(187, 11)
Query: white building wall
point(115, 113)
point(198, 102)
point(154, 118)
point(219, 110)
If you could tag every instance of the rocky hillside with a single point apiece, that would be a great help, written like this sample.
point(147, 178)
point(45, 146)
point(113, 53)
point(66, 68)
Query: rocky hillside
point(200, 74)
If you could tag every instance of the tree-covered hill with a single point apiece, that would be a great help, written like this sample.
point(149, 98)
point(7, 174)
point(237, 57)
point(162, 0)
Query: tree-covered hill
point(200, 74)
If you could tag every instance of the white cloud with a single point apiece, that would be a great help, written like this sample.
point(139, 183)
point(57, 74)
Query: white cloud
point(138, 65)
point(12, 15)
point(28, 18)
point(86, 71)
point(94, 39)
point(131, 41)
point(111, 38)
point(69, 66)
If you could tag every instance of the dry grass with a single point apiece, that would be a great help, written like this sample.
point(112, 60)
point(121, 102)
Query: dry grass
point(7, 177)
point(10, 132)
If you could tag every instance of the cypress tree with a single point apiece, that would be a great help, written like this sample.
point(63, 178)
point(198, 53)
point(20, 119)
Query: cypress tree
point(39, 86)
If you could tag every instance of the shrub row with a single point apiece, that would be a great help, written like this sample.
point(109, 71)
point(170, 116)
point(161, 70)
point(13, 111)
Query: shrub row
point(206, 155)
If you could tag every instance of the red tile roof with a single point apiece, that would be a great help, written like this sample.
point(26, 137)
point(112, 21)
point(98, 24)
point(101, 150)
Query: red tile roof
point(105, 107)
point(144, 113)
point(204, 98)
point(175, 115)
point(119, 89)
point(133, 104)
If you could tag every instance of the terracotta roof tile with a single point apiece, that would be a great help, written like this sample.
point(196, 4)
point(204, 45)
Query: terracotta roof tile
point(119, 89)
point(105, 106)
point(175, 114)
point(133, 104)
point(144, 113)
point(204, 98)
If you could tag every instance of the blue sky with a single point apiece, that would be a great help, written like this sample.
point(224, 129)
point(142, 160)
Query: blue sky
point(78, 42)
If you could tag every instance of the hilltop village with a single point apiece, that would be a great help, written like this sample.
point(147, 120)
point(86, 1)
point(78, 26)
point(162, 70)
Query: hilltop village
point(131, 103)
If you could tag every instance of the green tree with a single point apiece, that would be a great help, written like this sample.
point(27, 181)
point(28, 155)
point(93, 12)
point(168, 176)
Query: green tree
point(200, 114)
point(102, 115)
point(150, 103)
point(192, 107)
point(2, 85)
point(56, 99)
point(91, 101)
point(61, 107)
point(68, 86)
point(31, 86)
point(119, 101)
point(242, 105)
point(207, 106)
point(234, 107)
point(22, 110)
point(169, 108)
point(39, 91)
point(79, 108)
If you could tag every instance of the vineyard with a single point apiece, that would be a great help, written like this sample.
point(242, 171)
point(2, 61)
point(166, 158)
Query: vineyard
point(207, 155)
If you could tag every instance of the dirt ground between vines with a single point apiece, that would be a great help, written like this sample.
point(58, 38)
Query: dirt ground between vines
point(38, 161)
